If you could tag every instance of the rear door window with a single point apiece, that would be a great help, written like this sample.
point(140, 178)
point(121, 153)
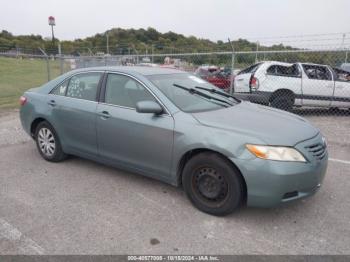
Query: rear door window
point(84, 86)
point(281, 70)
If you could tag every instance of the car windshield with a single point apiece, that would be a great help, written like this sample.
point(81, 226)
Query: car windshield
point(180, 89)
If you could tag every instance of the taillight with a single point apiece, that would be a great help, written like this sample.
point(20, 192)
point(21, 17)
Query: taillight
point(22, 100)
point(254, 83)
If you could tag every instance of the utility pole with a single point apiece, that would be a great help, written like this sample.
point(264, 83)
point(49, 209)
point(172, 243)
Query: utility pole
point(152, 53)
point(256, 53)
point(342, 47)
point(90, 52)
point(61, 57)
point(232, 65)
point(107, 43)
point(47, 63)
point(137, 55)
point(342, 43)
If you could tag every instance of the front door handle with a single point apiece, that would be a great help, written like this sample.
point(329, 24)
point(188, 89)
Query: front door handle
point(51, 103)
point(104, 115)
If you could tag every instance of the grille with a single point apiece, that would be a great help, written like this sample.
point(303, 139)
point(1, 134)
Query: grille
point(318, 150)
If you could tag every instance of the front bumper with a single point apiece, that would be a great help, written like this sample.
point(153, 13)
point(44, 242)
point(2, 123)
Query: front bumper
point(271, 183)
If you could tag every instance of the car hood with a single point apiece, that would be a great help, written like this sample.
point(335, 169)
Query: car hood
point(274, 127)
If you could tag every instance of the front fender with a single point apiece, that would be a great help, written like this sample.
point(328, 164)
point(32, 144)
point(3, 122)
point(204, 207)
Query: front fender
point(190, 135)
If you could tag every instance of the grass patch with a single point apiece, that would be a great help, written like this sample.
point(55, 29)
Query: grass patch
point(18, 75)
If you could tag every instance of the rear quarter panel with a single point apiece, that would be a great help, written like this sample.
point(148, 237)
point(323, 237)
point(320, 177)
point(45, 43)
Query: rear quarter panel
point(35, 107)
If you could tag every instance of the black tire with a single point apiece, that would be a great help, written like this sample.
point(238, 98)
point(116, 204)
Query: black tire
point(54, 155)
point(333, 109)
point(213, 184)
point(283, 103)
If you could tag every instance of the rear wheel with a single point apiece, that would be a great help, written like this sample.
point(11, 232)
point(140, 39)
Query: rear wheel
point(48, 143)
point(212, 184)
point(283, 102)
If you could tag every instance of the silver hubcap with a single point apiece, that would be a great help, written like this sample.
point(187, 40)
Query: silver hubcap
point(46, 141)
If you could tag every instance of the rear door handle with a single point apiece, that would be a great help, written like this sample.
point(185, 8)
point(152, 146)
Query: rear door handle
point(51, 103)
point(104, 115)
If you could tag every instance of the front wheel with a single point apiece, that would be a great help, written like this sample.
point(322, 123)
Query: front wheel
point(212, 184)
point(48, 143)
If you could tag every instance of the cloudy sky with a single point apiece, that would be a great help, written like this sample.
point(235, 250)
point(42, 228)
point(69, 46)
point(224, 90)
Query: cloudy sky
point(266, 20)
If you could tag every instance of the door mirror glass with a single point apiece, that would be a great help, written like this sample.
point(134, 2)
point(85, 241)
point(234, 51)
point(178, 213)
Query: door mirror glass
point(150, 107)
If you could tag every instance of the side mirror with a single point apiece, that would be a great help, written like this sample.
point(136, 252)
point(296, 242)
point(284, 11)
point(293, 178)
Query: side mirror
point(149, 107)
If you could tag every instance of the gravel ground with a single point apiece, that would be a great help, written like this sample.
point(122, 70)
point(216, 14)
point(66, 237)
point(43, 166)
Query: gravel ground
point(80, 207)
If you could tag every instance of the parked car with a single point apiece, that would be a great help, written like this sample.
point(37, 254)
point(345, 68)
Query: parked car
point(284, 85)
point(214, 75)
point(345, 67)
point(175, 127)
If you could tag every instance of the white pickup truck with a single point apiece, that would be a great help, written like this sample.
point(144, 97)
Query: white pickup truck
point(284, 85)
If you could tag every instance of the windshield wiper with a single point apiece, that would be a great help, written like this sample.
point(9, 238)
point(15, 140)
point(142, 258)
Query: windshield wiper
point(195, 91)
point(212, 90)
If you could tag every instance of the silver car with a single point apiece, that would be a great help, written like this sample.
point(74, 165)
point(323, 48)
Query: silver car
point(175, 127)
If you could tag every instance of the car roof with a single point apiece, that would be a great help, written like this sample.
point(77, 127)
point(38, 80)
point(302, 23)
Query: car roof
point(277, 63)
point(143, 70)
point(289, 64)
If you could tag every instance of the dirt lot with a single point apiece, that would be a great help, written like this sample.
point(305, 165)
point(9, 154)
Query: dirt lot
point(80, 207)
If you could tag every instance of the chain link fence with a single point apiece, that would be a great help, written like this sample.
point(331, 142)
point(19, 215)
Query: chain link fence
point(302, 81)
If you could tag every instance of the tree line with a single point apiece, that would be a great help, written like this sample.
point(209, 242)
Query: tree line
point(126, 41)
point(118, 41)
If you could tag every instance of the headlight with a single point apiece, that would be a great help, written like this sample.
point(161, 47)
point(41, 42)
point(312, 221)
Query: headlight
point(276, 153)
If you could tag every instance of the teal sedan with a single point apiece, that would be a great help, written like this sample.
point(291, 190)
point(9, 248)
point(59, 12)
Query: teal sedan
point(175, 127)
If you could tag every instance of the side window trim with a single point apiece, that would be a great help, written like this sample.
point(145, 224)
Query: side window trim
point(102, 89)
point(102, 97)
point(330, 73)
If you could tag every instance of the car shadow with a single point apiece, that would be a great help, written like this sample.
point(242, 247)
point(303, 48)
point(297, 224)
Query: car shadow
point(180, 202)
point(321, 112)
